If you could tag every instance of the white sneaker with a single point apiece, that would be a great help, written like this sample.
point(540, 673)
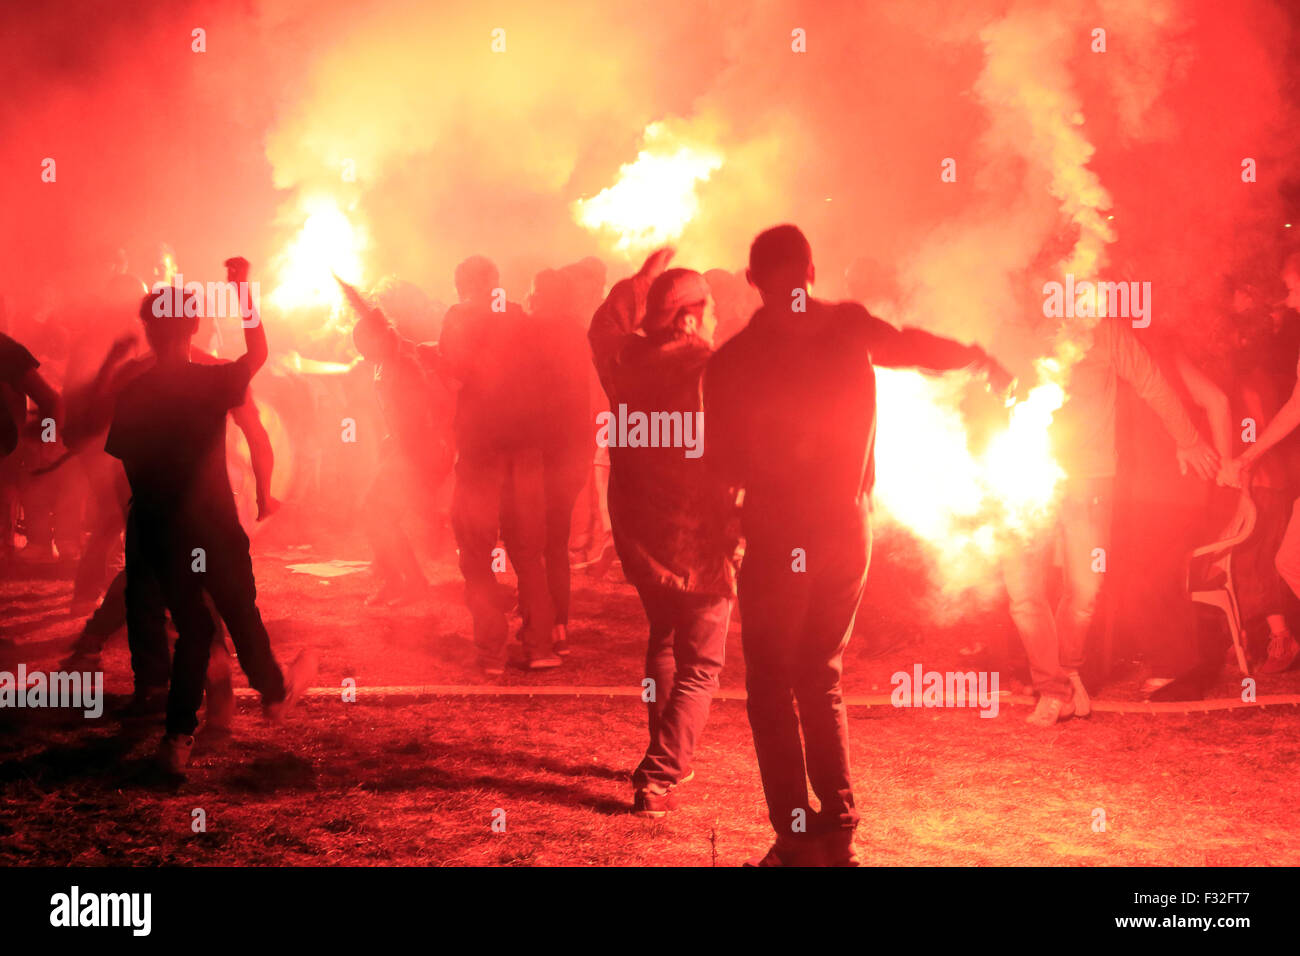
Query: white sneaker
point(1049, 710)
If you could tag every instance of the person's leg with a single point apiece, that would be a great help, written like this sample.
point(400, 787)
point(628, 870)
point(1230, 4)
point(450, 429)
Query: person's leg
point(145, 610)
point(564, 480)
point(699, 637)
point(526, 503)
point(475, 516)
point(1287, 560)
point(182, 591)
point(773, 605)
point(659, 662)
point(104, 519)
point(1085, 527)
point(229, 581)
point(838, 578)
point(1024, 571)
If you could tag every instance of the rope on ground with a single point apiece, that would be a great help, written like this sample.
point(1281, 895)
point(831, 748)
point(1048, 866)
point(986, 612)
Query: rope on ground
point(432, 691)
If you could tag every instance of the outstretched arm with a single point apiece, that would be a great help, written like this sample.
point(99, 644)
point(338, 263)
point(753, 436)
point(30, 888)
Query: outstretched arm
point(1134, 364)
point(914, 348)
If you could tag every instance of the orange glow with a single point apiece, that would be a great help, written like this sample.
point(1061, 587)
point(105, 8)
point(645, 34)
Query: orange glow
point(654, 198)
point(968, 507)
point(328, 243)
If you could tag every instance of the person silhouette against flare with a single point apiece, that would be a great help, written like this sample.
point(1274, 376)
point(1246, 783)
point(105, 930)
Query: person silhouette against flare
point(486, 346)
point(169, 430)
point(1083, 442)
point(671, 515)
point(790, 410)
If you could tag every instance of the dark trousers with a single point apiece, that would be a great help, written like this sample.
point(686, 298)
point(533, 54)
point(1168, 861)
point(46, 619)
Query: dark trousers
point(795, 626)
point(228, 581)
point(488, 484)
point(564, 476)
point(134, 601)
point(688, 636)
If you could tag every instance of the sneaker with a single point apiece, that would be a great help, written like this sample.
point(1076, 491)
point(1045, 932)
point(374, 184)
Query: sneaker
point(1282, 652)
point(1082, 703)
point(787, 851)
point(542, 662)
point(491, 666)
point(1049, 710)
point(560, 640)
point(654, 802)
point(297, 676)
point(1153, 684)
point(174, 752)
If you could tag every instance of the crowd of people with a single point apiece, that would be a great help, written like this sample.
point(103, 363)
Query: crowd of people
point(772, 517)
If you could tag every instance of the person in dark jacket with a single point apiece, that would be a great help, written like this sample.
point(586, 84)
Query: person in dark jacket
point(486, 346)
point(790, 403)
point(671, 517)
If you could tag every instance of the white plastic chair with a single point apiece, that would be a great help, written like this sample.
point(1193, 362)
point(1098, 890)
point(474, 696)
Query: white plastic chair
point(1210, 581)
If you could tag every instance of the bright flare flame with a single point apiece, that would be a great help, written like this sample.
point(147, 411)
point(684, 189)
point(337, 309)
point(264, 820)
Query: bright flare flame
point(967, 507)
point(328, 243)
point(654, 198)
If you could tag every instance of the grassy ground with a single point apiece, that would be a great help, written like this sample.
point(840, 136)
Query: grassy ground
point(385, 781)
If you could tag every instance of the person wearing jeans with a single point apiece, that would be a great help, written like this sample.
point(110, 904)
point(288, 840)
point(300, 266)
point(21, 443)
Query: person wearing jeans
point(688, 636)
point(1055, 640)
point(1083, 440)
point(790, 406)
point(671, 517)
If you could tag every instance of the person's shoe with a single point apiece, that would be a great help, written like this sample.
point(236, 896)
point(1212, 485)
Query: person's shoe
point(491, 666)
point(542, 662)
point(654, 802)
point(1282, 653)
point(1153, 684)
point(560, 640)
point(174, 752)
point(787, 851)
point(838, 850)
point(1049, 710)
point(1082, 703)
point(687, 777)
point(297, 677)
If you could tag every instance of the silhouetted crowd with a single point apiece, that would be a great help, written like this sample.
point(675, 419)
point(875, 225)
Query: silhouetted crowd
point(572, 432)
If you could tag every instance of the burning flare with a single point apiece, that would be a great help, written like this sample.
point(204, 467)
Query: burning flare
point(654, 198)
point(328, 244)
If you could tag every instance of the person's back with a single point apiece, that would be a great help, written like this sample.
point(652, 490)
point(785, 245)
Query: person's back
point(487, 352)
point(169, 430)
point(794, 418)
point(669, 511)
